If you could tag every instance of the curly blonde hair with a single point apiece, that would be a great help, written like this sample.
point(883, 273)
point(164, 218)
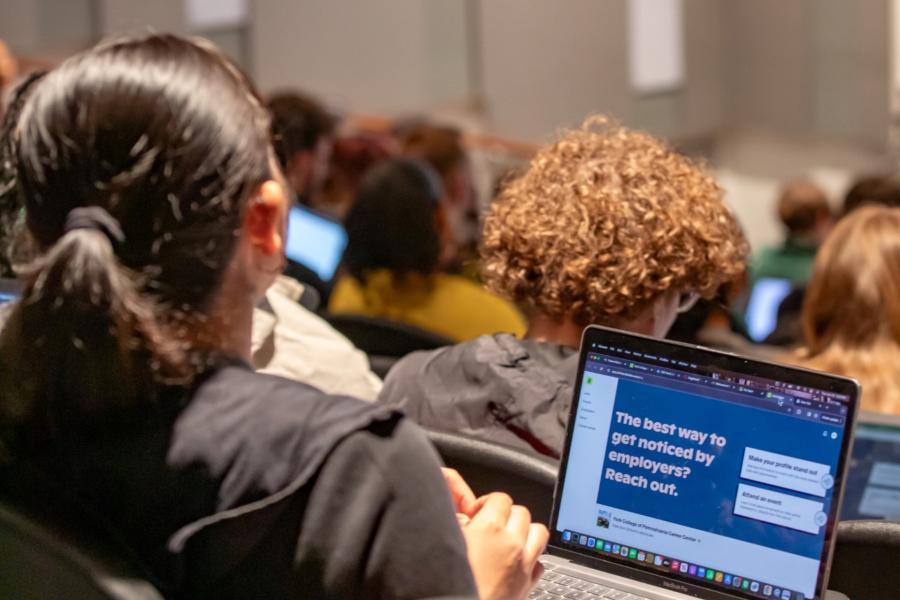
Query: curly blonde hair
point(604, 222)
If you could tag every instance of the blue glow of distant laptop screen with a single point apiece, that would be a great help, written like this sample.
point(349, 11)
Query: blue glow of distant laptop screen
point(315, 242)
point(709, 478)
point(762, 308)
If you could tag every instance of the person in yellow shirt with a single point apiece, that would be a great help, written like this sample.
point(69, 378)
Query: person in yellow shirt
point(395, 233)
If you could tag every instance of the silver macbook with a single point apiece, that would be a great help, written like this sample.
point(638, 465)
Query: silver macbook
point(691, 473)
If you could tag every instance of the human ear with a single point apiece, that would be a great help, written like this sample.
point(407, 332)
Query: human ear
point(266, 217)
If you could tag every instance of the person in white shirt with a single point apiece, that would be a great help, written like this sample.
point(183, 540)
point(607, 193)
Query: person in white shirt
point(293, 342)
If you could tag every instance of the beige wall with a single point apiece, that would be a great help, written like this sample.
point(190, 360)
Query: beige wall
point(815, 69)
point(129, 15)
point(48, 27)
point(810, 68)
point(19, 24)
point(377, 55)
point(548, 64)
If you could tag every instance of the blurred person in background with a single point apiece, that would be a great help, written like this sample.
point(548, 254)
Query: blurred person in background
point(288, 339)
point(710, 323)
point(851, 312)
point(871, 190)
point(351, 158)
point(126, 398)
point(881, 190)
point(392, 260)
point(291, 341)
point(607, 226)
point(303, 137)
point(804, 211)
point(442, 148)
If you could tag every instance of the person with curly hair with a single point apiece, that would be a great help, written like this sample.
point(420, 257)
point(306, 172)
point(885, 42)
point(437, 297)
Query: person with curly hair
point(607, 226)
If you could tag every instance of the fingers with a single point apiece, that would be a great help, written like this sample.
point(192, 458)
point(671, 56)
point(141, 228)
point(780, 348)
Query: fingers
point(535, 544)
point(463, 496)
point(496, 507)
point(537, 572)
point(479, 504)
point(519, 521)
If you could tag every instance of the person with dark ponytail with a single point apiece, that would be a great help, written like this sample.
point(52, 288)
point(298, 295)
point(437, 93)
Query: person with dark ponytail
point(152, 195)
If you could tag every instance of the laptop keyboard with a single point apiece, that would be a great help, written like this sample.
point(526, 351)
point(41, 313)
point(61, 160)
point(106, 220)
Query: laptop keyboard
point(556, 584)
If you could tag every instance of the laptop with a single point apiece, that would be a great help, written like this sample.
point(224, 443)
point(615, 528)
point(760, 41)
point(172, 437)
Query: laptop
point(873, 482)
point(10, 290)
point(316, 241)
point(693, 473)
point(766, 297)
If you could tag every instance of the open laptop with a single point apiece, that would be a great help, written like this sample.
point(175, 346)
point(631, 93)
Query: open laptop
point(315, 241)
point(10, 290)
point(689, 472)
point(873, 481)
point(766, 297)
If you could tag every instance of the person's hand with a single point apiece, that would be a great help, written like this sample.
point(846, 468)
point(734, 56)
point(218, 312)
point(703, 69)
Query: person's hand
point(463, 498)
point(503, 547)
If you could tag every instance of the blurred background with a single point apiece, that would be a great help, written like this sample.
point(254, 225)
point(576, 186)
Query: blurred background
point(766, 90)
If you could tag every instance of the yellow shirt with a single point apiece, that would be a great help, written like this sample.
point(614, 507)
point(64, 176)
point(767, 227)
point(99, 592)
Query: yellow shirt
point(448, 305)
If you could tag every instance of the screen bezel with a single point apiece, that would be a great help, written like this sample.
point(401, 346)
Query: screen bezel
point(727, 362)
point(319, 215)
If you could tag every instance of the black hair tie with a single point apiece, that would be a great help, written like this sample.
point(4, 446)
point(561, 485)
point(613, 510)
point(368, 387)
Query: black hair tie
point(95, 218)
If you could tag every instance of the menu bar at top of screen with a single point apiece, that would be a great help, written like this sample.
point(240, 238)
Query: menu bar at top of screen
point(684, 376)
point(795, 390)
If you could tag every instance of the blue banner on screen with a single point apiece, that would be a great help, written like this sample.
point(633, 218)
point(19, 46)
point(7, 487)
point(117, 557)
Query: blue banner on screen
point(686, 466)
point(315, 241)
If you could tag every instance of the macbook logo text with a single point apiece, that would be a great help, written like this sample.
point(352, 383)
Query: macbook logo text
point(675, 586)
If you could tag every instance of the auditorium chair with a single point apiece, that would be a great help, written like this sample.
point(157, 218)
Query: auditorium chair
point(385, 341)
point(866, 563)
point(487, 467)
point(40, 560)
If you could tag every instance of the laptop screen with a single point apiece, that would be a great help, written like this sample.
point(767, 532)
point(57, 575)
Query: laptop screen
point(873, 480)
point(762, 307)
point(10, 290)
point(702, 466)
point(315, 241)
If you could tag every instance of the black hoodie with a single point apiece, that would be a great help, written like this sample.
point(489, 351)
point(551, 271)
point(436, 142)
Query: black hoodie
point(260, 487)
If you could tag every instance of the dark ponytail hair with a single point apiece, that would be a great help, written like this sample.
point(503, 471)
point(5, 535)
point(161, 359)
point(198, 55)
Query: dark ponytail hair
point(134, 159)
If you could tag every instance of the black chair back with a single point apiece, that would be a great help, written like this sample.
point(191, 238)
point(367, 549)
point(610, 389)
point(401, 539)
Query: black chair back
point(39, 561)
point(381, 337)
point(529, 479)
point(866, 561)
point(382, 365)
